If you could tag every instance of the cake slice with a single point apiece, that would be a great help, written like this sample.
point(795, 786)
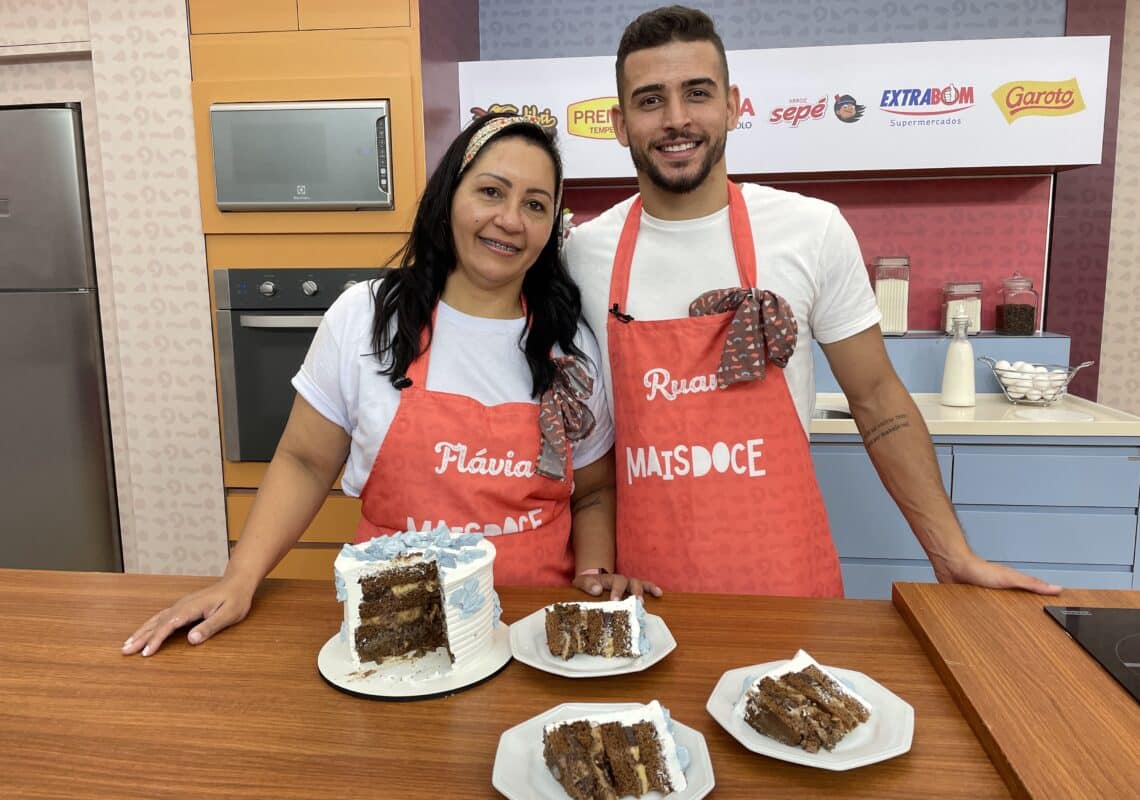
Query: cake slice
point(802, 705)
point(617, 754)
point(610, 629)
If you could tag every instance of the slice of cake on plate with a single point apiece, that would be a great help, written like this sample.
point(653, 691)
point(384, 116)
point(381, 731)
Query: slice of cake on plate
point(413, 595)
point(615, 628)
point(616, 754)
point(803, 705)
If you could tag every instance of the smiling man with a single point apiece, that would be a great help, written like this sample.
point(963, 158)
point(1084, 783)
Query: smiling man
point(705, 297)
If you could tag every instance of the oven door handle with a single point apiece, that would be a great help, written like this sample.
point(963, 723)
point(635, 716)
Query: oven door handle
point(276, 321)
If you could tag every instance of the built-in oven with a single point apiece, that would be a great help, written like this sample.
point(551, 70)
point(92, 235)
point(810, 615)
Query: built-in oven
point(266, 319)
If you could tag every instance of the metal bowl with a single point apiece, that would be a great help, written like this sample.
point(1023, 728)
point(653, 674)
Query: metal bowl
point(1043, 387)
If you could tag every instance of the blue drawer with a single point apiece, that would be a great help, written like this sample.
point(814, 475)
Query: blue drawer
point(1100, 477)
point(1051, 535)
point(865, 522)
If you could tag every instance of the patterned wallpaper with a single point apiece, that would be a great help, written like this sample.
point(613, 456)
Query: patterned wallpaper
point(1119, 353)
point(548, 29)
point(150, 260)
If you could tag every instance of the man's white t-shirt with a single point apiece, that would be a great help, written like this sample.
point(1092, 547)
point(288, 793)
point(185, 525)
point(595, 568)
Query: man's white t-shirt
point(473, 356)
point(805, 252)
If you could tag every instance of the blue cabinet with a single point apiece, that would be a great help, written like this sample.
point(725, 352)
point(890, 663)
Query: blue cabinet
point(1066, 514)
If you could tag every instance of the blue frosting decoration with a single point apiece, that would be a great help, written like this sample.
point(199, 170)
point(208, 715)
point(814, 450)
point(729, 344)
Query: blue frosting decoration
point(447, 549)
point(643, 639)
point(341, 590)
point(468, 599)
point(748, 681)
point(344, 631)
point(683, 757)
point(498, 612)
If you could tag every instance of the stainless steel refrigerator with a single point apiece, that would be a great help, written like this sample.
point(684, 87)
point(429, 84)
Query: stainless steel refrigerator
point(57, 495)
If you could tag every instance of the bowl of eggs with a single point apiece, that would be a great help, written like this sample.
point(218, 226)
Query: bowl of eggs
point(1032, 384)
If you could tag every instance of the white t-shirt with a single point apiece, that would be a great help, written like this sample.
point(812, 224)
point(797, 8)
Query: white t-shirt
point(805, 252)
point(473, 356)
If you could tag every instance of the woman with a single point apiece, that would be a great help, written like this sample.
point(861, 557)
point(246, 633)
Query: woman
point(426, 381)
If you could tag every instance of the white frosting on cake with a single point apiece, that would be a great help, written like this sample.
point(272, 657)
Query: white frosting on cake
point(801, 662)
point(470, 603)
point(632, 606)
point(651, 712)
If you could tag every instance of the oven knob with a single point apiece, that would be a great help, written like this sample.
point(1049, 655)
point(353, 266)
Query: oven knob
point(309, 288)
point(347, 285)
point(267, 289)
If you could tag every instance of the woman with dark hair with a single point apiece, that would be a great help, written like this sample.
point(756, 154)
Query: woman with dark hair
point(460, 389)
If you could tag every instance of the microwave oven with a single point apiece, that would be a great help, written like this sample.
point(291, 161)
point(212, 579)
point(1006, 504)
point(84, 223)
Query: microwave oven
point(305, 156)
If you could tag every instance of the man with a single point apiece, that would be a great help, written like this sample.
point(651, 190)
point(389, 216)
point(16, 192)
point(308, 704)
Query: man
point(716, 490)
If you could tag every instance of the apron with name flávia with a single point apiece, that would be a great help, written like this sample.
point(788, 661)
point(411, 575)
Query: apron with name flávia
point(715, 486)
point(448, 459)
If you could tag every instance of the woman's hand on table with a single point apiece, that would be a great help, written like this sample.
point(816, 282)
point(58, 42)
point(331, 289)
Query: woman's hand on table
point(617, 585)
point(218, 606)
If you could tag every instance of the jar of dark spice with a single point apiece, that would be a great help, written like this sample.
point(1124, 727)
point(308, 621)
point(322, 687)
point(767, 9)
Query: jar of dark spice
point(1017, 308)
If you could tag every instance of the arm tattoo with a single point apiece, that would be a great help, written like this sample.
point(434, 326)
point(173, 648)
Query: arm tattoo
point(885, 428)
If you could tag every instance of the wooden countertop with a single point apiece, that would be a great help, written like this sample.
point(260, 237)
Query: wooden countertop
point(1054, 722)
point(247, 715)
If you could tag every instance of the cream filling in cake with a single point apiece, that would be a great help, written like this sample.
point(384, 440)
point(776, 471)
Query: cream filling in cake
point(675, 758)
point(463, 566)
point(798, 664)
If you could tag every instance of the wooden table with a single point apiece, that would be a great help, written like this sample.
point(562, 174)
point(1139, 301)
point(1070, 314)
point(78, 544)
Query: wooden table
point(1054, 722)
point(247, 715)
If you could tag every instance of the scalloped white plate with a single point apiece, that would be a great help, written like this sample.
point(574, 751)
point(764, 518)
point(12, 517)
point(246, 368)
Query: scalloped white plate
point(520, 772)
point(888, 733)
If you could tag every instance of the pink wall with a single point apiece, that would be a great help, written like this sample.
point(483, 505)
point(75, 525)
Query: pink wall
point(952, 229)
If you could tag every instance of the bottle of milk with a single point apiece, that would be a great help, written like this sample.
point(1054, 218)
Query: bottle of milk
point(958, 374)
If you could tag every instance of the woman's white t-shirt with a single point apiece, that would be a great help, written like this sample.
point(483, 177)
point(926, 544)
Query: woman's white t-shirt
point(473, 356)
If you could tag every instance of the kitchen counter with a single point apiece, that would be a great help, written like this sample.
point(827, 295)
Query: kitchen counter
point(995, 416)
point(1054, 722)
point(247, 715)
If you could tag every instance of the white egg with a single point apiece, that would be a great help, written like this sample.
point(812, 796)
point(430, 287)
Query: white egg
point(1025, 384)
point(1016, 394)
point(1033, 394)
point(1019, 365)
point(1041, 382)
point(1057, 378)
point(1002, 364)
point(1040, 370)
point(1048, 394)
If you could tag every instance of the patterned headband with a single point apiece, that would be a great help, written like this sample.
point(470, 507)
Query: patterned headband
point(488, 131)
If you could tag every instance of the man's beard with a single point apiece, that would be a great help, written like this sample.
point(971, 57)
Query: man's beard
point(678, 183)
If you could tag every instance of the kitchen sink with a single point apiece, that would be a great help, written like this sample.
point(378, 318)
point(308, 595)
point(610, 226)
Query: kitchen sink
point(831, 413)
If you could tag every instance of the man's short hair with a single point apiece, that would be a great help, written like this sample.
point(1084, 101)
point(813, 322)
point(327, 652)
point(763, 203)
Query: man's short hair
point(662, 26)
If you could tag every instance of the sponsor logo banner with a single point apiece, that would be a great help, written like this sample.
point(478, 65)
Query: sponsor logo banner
point(1019, 99)
point(926, 102)
point(590, 119)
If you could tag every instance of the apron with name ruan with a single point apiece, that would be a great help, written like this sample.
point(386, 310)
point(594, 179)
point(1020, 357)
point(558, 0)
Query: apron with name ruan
point(716, 491)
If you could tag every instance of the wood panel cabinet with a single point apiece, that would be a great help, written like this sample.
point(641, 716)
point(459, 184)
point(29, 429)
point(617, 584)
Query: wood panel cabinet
point(325, 14)
point(334, 525)
point(244, 16)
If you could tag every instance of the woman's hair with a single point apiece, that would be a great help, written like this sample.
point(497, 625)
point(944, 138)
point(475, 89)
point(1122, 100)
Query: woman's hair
point(409, 295)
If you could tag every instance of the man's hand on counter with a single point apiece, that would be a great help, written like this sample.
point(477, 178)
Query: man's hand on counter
point(975, 570)
point(218, 606)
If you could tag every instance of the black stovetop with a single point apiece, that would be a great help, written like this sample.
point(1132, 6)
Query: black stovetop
point(1110, 635)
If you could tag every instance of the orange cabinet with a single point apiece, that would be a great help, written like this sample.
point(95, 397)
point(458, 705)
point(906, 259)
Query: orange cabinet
point(245, 16)
point(313, 557)
point(327, 14)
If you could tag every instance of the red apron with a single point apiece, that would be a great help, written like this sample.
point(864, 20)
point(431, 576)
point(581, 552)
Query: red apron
point(715, 487)
point(448, 459)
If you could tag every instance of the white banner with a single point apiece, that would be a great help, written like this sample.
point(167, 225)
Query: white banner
point(977, 103)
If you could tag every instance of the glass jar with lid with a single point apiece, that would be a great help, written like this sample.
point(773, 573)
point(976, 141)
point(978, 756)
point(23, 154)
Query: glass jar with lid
point(892, 292)
point(962, 299)
point(1017, 307)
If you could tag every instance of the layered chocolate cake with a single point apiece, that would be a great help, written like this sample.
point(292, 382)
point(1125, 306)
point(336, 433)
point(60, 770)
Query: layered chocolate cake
point(414, 594)
point(617, 754)
point(609, 629)
point(802, 705)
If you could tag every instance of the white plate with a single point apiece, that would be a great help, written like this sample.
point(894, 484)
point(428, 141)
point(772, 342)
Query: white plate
point(521, 773)
point(888, 733)
point(395, 681)
point(528, 645)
